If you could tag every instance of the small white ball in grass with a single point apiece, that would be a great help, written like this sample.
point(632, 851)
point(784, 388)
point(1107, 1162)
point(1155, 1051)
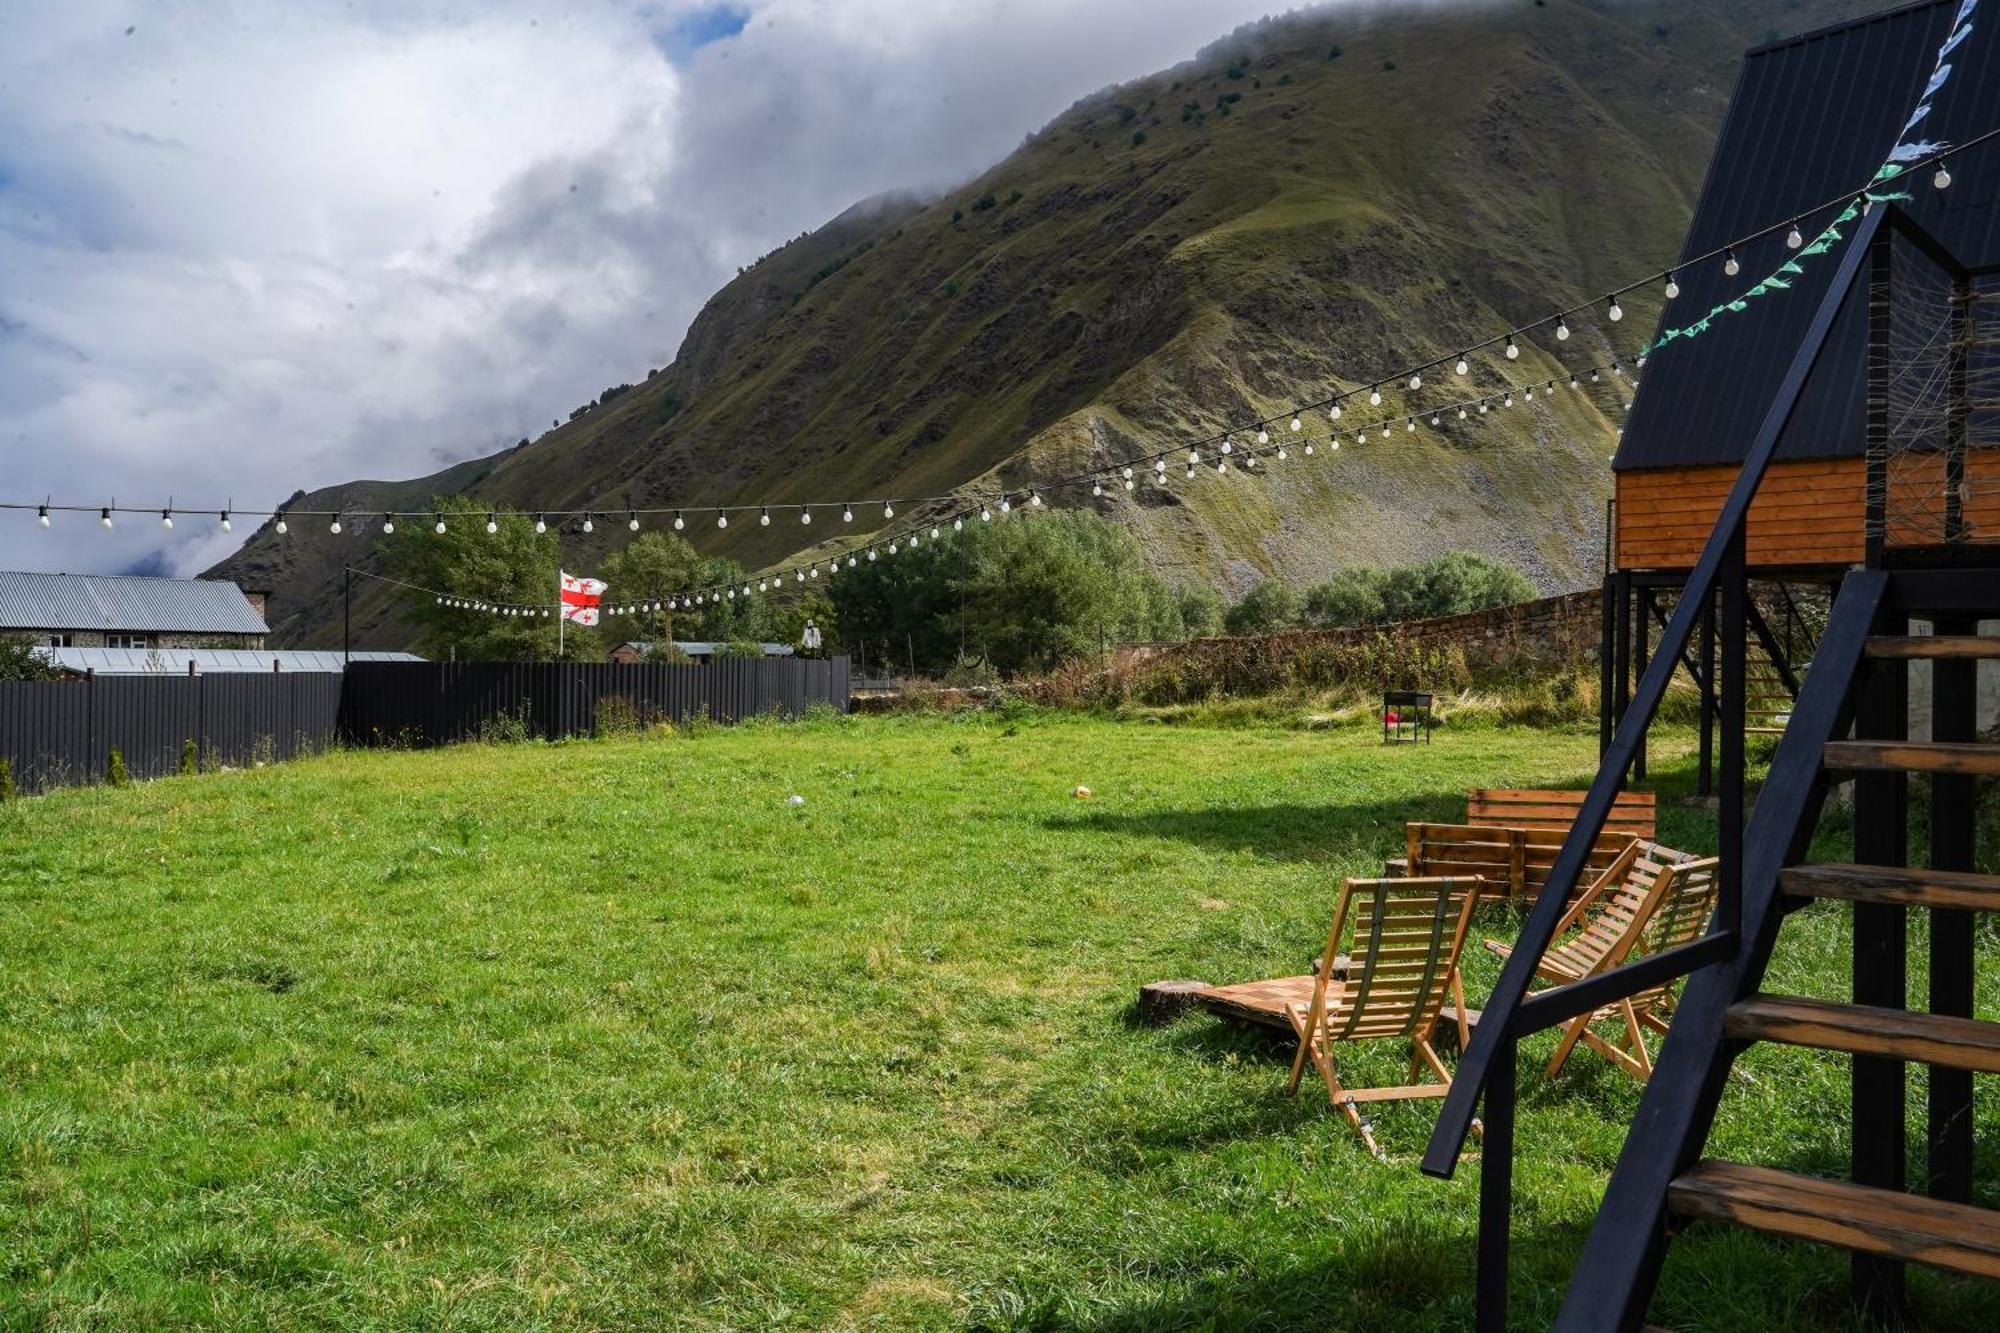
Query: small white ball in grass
point(795, 800)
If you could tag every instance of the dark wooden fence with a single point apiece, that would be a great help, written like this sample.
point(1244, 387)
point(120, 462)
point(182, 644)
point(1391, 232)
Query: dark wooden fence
point(431, 703)
point(62, 733)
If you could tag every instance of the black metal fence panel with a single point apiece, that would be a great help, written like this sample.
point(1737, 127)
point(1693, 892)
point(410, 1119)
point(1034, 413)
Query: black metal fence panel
point(433, 703)
point(62, 733)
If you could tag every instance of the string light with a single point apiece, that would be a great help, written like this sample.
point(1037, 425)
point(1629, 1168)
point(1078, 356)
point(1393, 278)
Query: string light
point(1562, 330)
point(167, 519)
point(721, 521)
point(589, 524)
point(680, 523)
point(846, 514)
point(1941, 181)
point(42, 516)
point(805, 514)
point(1730, 264)
point(492, 523)
point(1513, 351)
point(1375, 396)
point(334, 527)
point(388, 525)
point(888, 510)
point(541, 525)
point(764, 518)
point(1462, 366)
point(282, 527)
point(1794, 238)
point(1672, 288)
point(1614, 312)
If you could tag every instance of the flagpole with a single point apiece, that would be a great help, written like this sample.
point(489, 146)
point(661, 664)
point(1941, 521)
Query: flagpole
point(562, 619)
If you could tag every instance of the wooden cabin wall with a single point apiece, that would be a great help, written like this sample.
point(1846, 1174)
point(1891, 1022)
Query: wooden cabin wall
point(1807, 513)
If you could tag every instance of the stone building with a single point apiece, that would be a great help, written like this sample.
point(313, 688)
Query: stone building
point(129, 611)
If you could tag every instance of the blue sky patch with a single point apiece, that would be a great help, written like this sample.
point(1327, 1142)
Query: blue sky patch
point(701, 28)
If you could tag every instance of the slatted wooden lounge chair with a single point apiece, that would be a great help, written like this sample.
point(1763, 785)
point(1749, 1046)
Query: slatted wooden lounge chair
point(1651, 898)
point(1513, 861)
point(1544, 817)
point(1391, 959)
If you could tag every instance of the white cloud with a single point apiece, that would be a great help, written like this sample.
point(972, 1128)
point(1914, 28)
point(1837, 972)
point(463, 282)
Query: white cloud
point(252, 246)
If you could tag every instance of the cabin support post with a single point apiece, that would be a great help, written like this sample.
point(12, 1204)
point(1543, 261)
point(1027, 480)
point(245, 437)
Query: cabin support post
point(1880, 971)
point(1607, 653)
point(1876, 452)
point(1705, 779)
point(1949, 1094)
point(1958, 409)
point(1496, 1190)
point(1643, 615)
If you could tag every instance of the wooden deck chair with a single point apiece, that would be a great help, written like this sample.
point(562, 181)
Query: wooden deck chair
point(1391, 959)
point(1650, 898)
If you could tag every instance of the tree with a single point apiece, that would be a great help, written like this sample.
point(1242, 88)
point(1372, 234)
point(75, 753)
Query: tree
point(1271, 606)
point(1024, 593)
point(1201, 611)
point(515, 565)
point(20, 659)
point(1350, 597)
point(1452, 584)
point(658, 566)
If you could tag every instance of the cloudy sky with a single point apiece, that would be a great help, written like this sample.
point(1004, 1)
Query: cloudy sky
point(252, 245)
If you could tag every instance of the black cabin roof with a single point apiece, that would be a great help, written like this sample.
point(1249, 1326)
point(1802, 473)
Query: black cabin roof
point(1813, 117)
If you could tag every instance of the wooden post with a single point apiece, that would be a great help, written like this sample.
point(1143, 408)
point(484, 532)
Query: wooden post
point(1880, 972)
point(1953, 821)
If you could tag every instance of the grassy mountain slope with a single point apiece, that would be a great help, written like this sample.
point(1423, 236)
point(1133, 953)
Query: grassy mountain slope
point(1309, 202)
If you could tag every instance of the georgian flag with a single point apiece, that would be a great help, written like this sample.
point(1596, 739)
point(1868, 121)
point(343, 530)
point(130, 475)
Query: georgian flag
point(580, 597)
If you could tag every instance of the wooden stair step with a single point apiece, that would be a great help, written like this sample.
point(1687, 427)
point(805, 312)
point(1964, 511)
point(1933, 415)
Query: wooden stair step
point(1894, 884)
point(1908, 1227)
point(1935, 645)
point(1859, 1029)
point(1964, 757)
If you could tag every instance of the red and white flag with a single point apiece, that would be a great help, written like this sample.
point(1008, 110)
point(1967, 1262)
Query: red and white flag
point(580, 597)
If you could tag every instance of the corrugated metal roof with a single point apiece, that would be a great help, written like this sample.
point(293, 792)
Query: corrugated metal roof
point(40, 601)
point(1812, 117)
point(208, 661)
point(695, 648)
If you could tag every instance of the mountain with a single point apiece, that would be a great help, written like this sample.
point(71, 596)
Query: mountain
point(1311, 201)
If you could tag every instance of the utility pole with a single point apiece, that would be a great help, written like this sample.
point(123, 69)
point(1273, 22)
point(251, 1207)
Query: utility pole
point(346, 615)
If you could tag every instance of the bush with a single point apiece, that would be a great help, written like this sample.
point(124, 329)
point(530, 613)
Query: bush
point(8, 791)
point(1201, 611)
point(190, 758)
point(20, 659)
point(115, 773)
point(1271, 606)
point(617, 715)
point(1453, 584)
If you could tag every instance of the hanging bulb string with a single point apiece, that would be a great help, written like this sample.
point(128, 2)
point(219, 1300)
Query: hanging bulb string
point(789, 578)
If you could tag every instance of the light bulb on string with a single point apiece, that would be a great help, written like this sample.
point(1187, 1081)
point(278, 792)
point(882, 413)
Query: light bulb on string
point(1461, 414)
point(958, 524)
point(1794, 238)
point(388, 525)
point(985, 514)
point(1228, 446)
point(1673, 288)
point(1613, 310)
point(1375, 396)
point(1513, 350)
point(1333, 413)
point(934, 532)
point(1281, 453)
point(1385, 430)
point(492, 524)
point(334, 527)
point(1941, 181)
point(438, 526)
point(764, 518)
point(541, 525)
point(1263, 436)
point(888, 509)
point(721, 519)
point(1528, 394)
point(1463, 366)
point(680, 523)
point(1482, 407)
point(1409, 426)
point(1562, 330)
point(42, 515)
point(1006, 504)
point(1309, 449)
point(1097, 488)
point(167, 519)
point(1436, 420)
point(1297, 425)
point(1730, 264)
point(847, 513)
point(588, 525)
point(805, 514)
point(1416, 381)
point(871, 555)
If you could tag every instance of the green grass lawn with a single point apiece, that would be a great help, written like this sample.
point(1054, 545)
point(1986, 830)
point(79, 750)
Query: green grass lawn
point(608, 1035)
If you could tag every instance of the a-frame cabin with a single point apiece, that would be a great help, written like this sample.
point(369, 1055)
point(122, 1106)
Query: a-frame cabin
point(1841, 432)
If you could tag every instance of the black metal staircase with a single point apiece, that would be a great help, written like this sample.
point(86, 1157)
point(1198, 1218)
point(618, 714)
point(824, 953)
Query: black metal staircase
point(1848, 722)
